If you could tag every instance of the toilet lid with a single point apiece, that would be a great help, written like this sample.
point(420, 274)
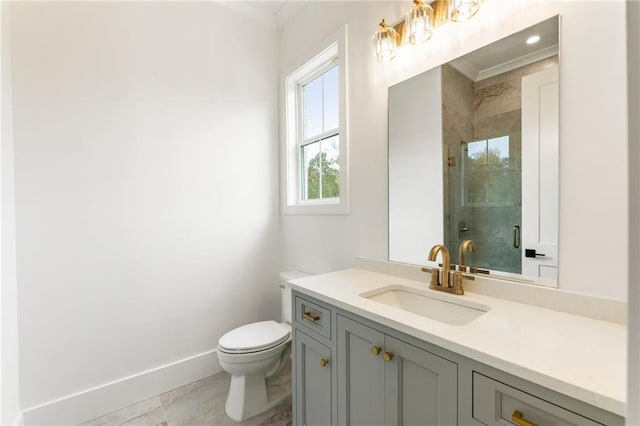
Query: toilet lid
point(254, 336)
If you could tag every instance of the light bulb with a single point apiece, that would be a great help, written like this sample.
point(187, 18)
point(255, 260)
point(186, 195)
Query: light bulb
point(533, 39)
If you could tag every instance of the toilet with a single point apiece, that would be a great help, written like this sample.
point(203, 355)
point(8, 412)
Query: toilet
point(253, 354)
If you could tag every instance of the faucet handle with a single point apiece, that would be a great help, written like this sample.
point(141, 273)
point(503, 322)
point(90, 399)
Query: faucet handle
point(435, 275)
point(466, 276)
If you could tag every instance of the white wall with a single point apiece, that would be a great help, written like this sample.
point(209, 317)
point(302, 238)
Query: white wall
point(146, 186)
point(9, 385)
point(633, 49)
point(323, 243)
point(593, 165)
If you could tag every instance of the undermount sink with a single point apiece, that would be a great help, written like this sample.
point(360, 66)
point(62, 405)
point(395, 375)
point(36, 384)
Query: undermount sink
point(429, 304)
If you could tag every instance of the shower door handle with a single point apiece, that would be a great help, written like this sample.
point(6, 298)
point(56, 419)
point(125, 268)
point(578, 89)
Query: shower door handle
point(516, 236)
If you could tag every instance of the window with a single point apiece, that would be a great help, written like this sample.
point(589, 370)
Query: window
point(319, 143)
point(491, 172)
point(315, 135)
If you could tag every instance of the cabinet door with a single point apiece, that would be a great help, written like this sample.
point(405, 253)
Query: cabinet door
point(360, 374)
point(313, 366)
point(421, 388)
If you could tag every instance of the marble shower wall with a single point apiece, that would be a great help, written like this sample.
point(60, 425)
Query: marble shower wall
point(457, 126)
point(497, 103)
point(475, 111)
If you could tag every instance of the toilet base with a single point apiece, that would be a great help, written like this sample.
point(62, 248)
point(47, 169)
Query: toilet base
point(247, 397)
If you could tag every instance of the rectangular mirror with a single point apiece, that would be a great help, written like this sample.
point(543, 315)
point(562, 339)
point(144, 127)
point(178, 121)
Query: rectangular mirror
point(473, 155)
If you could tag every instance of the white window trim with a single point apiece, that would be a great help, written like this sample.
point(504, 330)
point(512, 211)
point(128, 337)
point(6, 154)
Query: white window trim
point(335, 45)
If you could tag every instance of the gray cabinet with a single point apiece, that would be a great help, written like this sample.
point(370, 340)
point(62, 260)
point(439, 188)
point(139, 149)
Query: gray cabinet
point(313, 379)
point(349, 370)
point(385, 381)
point(420, 387)
point(495, 403)
point(313, 318)
point(360, 374)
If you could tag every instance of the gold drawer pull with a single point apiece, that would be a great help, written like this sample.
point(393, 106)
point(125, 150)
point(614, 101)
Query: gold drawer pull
point(517, 419)
point(388, 356)
point(375, 350)
point(324, 362)
point(309, 316)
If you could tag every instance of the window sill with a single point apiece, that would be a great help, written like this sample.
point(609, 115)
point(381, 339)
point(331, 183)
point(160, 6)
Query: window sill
point(319, 208)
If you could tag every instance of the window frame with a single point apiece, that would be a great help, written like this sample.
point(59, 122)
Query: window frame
point(331, 53)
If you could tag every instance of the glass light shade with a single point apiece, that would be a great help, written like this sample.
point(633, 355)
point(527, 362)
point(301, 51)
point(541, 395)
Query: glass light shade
point(419, 22)
point(461, 10)
point(385, 43)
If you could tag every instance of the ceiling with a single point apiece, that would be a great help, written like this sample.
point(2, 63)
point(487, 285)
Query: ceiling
point(271, 13)
point(510, 52)
point(270, 7)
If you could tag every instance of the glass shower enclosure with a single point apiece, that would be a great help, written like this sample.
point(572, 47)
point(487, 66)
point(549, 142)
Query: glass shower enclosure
point(484, 201)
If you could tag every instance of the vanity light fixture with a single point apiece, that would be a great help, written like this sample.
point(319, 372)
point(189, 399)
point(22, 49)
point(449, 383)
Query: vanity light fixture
point(419, 22)
point(385, 42)
point(533, 39)
point(461, 10)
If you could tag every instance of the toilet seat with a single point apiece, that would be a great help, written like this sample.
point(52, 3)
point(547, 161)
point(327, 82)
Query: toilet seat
point(255, 337)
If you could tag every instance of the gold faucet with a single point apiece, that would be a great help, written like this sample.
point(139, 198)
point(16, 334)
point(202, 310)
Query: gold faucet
point(465, 246)
point(446, 263)
point(451, 281)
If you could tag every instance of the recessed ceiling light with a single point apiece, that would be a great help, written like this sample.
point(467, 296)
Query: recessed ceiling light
point(533, 39)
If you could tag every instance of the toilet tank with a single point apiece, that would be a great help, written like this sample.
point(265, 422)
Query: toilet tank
point(285, 293)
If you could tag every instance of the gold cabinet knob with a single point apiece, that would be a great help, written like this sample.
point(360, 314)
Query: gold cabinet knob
point(387, 356)
point(324, 362)
point(375, 350)
point(518, 419)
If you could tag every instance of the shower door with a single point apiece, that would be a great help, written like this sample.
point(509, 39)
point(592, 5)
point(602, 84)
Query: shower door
point(484, 201)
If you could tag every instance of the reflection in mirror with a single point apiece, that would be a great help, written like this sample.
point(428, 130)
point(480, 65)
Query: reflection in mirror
point(492, 148)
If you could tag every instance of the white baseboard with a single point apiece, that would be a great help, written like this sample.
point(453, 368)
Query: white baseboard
point(18, 421)
point(91, 403)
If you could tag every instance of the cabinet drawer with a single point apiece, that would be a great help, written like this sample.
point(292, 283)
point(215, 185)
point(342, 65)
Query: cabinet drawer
point(312, 316)
point(495, 403)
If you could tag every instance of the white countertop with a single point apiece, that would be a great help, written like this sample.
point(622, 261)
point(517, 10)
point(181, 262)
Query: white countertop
point(581, 357)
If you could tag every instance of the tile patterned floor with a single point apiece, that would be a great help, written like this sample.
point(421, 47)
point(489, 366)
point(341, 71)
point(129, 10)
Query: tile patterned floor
point(199, 404)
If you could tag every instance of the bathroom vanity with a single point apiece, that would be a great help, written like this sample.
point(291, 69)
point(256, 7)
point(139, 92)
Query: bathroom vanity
point(371, 348)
